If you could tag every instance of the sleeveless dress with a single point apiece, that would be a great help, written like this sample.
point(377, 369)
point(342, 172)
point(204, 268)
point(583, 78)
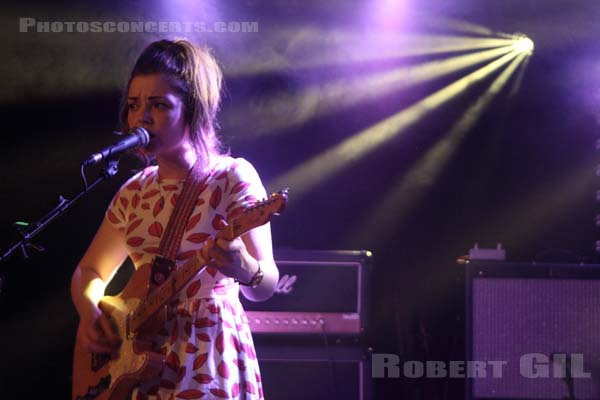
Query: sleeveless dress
point(206, 340)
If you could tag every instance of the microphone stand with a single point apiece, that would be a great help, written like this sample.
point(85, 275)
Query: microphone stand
point(29, 231)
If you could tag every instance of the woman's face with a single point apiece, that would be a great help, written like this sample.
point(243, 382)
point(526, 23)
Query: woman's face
point(154, 105)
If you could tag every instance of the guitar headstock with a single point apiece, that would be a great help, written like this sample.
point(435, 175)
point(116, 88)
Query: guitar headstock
point(258, 214)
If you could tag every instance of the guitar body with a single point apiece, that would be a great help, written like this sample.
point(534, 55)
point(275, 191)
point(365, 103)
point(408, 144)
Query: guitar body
point(112, 377)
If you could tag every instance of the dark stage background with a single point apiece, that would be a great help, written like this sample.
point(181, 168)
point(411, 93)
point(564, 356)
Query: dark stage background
point(524, 175)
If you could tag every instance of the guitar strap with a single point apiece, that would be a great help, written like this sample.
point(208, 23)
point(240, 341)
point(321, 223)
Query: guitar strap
point(164, 263)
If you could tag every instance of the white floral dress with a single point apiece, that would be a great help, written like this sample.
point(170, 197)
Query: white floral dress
point(206, 341)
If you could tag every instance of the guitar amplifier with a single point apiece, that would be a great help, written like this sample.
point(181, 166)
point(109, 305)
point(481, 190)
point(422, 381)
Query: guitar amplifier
point(539, 323)
point(319, 292)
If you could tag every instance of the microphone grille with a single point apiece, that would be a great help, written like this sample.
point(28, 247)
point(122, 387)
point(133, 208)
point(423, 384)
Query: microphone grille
point(142, 134)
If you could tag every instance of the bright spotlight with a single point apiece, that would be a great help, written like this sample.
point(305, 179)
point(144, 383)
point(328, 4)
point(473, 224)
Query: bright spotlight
point(523, 44)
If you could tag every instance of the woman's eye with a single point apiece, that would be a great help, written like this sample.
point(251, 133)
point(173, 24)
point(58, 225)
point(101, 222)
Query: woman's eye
point(160, 105)
point(133, 106)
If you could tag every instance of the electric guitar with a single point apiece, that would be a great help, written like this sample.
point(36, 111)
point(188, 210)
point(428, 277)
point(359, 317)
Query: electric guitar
point(135, 314)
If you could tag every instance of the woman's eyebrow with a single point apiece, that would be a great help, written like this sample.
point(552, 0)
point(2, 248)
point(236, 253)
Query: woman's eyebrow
point(135, 98)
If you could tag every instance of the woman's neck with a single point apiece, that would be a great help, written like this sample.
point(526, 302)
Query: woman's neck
point(176, 166)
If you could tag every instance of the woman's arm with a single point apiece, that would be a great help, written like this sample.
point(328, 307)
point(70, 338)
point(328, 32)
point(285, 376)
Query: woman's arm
point(240, 259)
point(260, 251)
point(99, 263)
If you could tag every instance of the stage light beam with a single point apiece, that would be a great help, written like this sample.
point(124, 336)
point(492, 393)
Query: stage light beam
point(410, 188)
point(285, 111)
point(324, 165)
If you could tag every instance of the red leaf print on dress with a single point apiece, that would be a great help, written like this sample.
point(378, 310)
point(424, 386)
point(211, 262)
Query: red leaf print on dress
point(136, 256)
point(223, 369)
point(145, 206)
point(190, 394)
point(190, 348)
point(174, 199)
point(215, 198)
point(182, 312)
point(135, 185)
point(198, 237)
point(224, 175)
point(158, 206)
point(135, 200)
point(221, 175)
point(193, 288)
point(240, 364)
point(151, 250)
point(113, 218)
point(135, 241)
point(250, 388)
point(156, 229)
point(203, 337)
point(214, 309)
point(212, 271)
point(199, 202)
point(188, 329)
point(238, 187)
point(173, 361)
point(200, 360)
point(203, 378)
point(124, 202)
point(151, 193)
point(193, 221)
point(181, 374)
point(204, 323)
point(170, 187)
point(236, 343)
point(249, 351)
point(219, 393)
point(235, 390)
point(134, 225)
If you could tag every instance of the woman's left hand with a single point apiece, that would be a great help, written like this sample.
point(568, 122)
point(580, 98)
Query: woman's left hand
point(230, 257)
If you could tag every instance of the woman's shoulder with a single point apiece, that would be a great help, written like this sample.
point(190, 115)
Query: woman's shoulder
point(235, 165)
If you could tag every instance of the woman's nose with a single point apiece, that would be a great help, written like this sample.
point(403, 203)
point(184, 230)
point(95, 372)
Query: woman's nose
point(145, 116)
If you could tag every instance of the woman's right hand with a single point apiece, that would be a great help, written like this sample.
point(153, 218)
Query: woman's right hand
point(97, 332)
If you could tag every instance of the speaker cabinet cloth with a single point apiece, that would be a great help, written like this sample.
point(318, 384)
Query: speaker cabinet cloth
point(540, 324)
point(319, 292)
point(294, 368)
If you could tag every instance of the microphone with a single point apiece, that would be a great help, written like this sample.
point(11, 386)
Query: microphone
point(138, 137)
